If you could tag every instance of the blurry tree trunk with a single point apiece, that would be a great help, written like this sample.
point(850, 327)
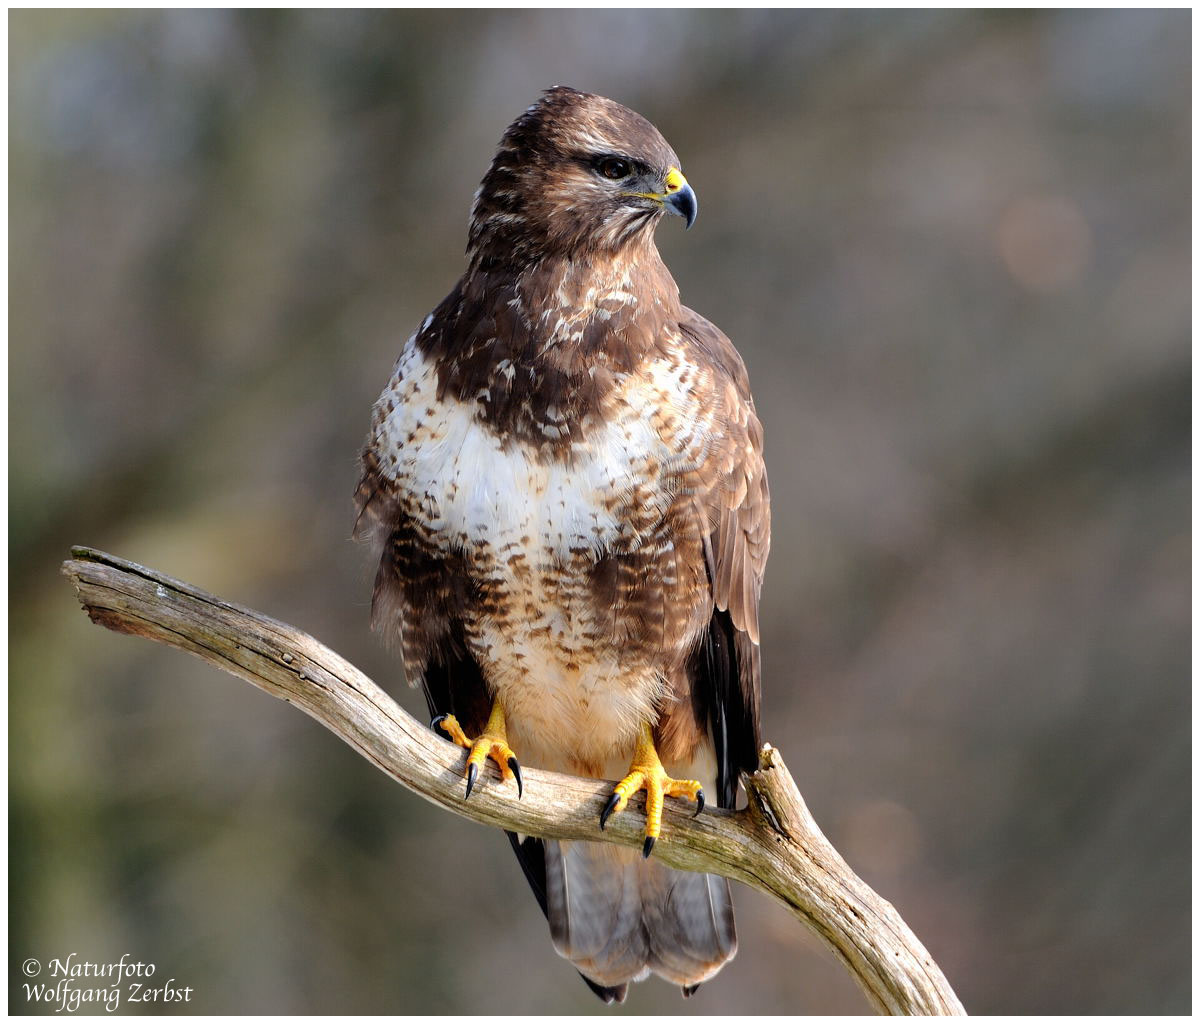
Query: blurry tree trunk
point(773, 845)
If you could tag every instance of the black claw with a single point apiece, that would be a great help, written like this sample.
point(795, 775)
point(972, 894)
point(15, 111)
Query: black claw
point(699, 803)
point(472, 772)
point(608, 809)
point(649, 845)
point(516, 770)
point(435, 725)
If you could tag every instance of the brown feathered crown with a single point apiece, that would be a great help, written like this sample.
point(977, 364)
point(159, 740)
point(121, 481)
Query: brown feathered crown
point(572, 172)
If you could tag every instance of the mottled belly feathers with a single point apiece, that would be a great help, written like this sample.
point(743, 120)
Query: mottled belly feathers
point(577, 570)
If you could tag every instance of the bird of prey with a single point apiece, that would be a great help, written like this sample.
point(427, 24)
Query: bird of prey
point(565, 471)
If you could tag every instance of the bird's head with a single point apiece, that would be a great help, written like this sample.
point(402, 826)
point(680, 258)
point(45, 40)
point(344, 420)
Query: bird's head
point(577, 173)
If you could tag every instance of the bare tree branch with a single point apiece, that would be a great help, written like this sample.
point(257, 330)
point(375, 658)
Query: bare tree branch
point(773, 845)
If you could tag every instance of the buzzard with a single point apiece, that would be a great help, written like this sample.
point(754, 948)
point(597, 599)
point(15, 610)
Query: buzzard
point(565, 471)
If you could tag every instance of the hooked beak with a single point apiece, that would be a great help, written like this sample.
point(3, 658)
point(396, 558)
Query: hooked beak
point(679, 197)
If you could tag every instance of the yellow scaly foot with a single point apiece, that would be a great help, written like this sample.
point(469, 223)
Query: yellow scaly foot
point(492, 743)
point(646, 772)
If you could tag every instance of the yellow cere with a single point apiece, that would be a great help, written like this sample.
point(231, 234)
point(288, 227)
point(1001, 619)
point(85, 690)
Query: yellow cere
point(674, 180)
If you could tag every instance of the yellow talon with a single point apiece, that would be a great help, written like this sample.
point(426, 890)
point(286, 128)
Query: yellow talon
point(646, 772)
point(492, 743)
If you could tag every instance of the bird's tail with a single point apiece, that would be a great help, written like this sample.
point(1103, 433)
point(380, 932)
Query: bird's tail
point(617, 917)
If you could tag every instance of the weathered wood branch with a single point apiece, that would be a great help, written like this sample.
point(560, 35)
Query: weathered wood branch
point(773, 845)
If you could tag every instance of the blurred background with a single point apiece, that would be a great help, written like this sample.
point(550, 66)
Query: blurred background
point(954, 251)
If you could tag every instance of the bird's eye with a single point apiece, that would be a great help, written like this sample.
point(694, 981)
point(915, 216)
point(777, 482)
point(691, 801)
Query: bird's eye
point(615, 168)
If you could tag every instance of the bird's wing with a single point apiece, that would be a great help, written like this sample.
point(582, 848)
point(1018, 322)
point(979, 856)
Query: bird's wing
point(736, 502)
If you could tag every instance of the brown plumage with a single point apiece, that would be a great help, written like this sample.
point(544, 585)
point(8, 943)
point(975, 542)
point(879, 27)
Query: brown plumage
point(566, 474)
